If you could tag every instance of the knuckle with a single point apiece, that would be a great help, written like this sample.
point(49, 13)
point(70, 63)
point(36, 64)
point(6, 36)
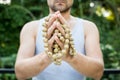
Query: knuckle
point(56, 38)
point(49, 42)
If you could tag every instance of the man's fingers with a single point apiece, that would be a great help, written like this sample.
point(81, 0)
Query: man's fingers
point(50, 30)
point(51, 41)
point(55, 25)
point(61, 19)
point(51, 20)
point(59, 42)
point(60, 28)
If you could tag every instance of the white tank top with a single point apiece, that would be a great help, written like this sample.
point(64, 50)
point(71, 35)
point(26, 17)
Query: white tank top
point(64, 71)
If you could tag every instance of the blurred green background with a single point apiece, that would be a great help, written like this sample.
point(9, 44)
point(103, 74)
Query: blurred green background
point(104, 13)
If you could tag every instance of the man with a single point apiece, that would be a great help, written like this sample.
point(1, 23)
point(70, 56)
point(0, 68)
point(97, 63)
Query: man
point(32, 60)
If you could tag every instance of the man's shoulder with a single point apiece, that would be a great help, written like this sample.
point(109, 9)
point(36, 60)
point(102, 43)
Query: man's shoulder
point(34, 23)
point(31, 24)
point(89, 26)
point(30, 27)
point(88, 22)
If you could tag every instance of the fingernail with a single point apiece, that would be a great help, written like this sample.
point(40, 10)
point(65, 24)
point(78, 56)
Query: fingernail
point(55, 15)
point(58, 11)
point(58, 15)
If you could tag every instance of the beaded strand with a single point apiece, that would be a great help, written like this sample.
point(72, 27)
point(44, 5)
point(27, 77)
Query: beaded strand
point(57, 53)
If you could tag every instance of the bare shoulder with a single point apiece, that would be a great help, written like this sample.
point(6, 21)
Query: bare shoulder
point(30, 28)
point(89, 24)
point(90, 27)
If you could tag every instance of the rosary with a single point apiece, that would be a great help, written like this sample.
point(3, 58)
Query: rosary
point(56, 54)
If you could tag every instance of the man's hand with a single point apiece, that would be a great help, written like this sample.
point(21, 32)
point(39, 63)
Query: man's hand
point(53, 24)
point(56, 32)
point(64, 22)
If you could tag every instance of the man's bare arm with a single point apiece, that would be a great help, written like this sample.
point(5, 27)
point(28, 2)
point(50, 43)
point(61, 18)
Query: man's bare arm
point(90, 64)
point(28, 65)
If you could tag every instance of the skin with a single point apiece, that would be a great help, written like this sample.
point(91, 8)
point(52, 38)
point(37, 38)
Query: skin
point(27, 65)
point(62, 5)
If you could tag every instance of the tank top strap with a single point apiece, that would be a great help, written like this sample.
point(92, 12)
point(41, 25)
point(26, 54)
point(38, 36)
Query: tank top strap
point(39, 38)
point(78, 36)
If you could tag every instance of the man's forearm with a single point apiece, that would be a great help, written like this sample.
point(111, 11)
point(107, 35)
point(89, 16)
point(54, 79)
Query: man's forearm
point(32, 66)
point(86, 65)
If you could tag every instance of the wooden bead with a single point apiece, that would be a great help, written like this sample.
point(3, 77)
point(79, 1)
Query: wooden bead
point(71, 39)
point(44, 24)
point(64, 26)
point(71, 51)
point(59, 49)
point(59, 55)
point(57, 63)
point(55, 46)
point(54, 56)
point(44, 29)
point(74, 54)
point(66, 41)
point(49, 54)
point(59, 34)
point(56, 31)
point(46, 49)
point(72, 46)
point(71, 42)
point(59, 60)
point(46, 45)
point(70, 35)
point(62, 39)
point(67, 30)
point(47, 19)
point(66, 46)
point(63, 51)
point(55, 50)
point(45, 40)
point(67, 36)
point(44, 34)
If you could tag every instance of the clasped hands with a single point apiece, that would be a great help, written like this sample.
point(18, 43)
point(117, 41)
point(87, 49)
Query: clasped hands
point(57, 38)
